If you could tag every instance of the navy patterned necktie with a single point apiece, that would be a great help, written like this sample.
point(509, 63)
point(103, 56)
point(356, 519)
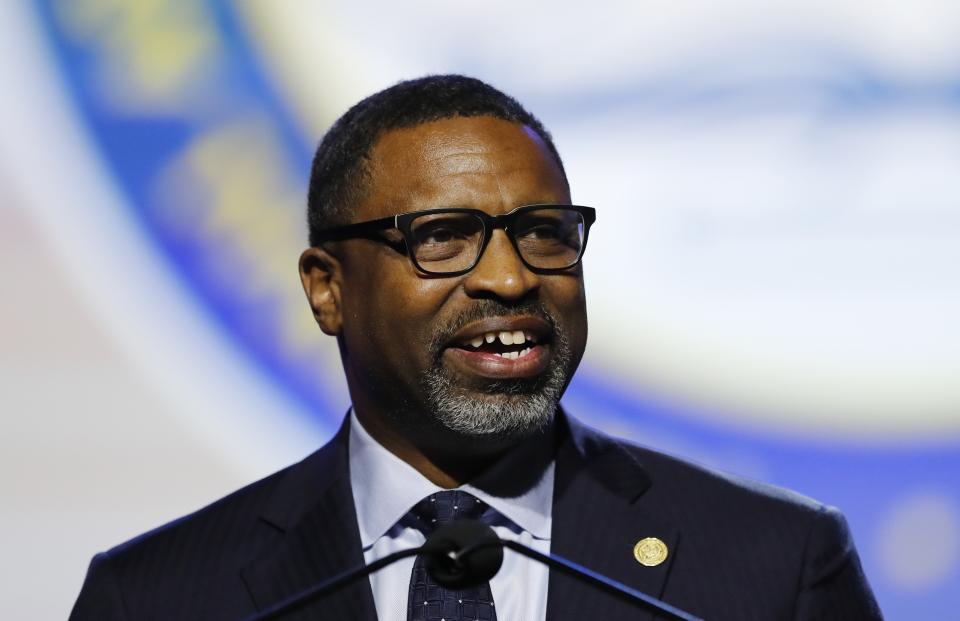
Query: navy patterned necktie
point(428, 601)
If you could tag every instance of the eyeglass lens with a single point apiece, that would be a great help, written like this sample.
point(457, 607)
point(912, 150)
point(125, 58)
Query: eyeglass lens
point(548, 238)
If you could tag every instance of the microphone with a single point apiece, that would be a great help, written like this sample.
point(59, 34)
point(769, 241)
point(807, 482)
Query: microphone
point(463, 554)
point(468, 552)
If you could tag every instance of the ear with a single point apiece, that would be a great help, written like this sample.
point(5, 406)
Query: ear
point(321, 275)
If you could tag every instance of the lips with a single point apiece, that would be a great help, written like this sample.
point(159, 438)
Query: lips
point(501, 347)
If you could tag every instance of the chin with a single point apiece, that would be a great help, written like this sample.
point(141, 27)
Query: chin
point(497, 415)
point(496, 410)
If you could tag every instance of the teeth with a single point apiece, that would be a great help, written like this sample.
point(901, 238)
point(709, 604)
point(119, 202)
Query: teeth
point(507, 337)
point(513, 355)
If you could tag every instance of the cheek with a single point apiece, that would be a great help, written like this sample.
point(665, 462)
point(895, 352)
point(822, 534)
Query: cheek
point(568, 299)
point(390, 311)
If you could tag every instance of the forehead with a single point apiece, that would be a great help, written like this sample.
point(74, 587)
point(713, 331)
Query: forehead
point(481, 162)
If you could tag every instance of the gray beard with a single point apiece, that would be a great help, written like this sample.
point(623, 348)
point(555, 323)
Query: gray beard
point(503, 409)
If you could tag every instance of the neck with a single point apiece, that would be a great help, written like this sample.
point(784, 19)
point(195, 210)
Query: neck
point(457, 460)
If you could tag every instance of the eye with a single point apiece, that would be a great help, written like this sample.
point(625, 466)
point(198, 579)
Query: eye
point(548, 232)
point(445, 229)
point(439, 235)
point(544, 228)
point(543, 231)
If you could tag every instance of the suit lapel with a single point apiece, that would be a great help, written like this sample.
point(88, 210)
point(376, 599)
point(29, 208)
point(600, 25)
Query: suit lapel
point(598, 517)
point(599, 514)
point(315, 539)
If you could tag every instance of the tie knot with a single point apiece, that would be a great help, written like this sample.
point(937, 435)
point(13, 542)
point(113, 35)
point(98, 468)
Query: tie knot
point(443, 507)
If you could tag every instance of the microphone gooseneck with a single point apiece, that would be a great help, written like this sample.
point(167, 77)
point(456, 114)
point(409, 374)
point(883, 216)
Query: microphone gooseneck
point(326, 587)
point(466, 553)
point(469, 538)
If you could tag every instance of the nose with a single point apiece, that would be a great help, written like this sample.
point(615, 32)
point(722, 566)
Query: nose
point(500, 272)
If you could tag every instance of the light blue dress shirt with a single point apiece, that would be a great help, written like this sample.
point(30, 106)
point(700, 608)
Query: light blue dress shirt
point(385, 488)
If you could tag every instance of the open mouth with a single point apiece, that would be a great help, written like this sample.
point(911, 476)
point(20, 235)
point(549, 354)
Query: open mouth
point(501, 347)
point(506, 344)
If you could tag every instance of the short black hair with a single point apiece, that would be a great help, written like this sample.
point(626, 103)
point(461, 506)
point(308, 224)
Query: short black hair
point(339, 173)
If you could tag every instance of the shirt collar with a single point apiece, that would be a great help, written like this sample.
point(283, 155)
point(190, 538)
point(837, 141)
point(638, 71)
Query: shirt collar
point(385, 488)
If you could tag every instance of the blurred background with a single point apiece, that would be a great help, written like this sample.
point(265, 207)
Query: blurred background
point(772, 279)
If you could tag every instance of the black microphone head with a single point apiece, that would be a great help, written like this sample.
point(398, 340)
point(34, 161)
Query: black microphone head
point(463, 554)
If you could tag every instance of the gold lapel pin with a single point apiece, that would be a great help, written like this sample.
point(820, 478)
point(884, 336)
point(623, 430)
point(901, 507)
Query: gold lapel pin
point(650, 552)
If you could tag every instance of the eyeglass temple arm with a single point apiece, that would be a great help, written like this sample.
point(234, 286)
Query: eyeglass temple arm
point(361, 229)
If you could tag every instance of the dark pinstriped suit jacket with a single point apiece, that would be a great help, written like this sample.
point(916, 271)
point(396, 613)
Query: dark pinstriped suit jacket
point(737, 550)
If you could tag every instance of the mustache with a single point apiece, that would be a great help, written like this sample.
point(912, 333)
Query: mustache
point(484, 309)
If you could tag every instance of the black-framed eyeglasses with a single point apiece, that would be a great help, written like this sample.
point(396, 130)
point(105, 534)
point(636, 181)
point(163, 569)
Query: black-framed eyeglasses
point(449, 242)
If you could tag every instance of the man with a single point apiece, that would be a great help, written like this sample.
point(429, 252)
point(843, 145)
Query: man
point(445, 258)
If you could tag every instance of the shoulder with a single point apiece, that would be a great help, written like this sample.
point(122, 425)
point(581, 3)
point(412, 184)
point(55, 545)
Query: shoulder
point(674, 477)
point(168, 571)
point(236, 525)
point(730, 535)
point(229, 524)
point(709, 500)
point(719, 510)
point(192, 566)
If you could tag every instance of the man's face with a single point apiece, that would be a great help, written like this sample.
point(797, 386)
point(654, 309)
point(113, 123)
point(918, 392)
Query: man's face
point(409, 341)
